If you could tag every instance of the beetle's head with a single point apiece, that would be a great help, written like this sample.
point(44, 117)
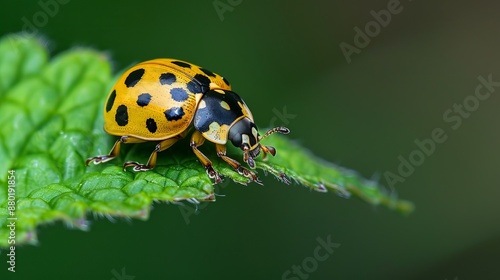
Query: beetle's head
point(244, 135)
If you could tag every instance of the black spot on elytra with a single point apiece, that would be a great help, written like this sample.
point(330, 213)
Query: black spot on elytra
point(193, 87)
point(226, 81)
point(151, 125)
point(208, 72)
point(134, 77)
point(167, 78)
point(179, 94)
point(182, 64)
point(121, 116)
point(144, 99)
point(199, 84)
point(204, 80)
point(174, 113)
point(111, 101)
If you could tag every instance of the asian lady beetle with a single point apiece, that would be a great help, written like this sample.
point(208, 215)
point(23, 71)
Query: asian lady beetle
point(161, 99)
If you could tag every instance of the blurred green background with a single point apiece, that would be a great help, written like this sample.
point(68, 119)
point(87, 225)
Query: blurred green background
point(285, 55)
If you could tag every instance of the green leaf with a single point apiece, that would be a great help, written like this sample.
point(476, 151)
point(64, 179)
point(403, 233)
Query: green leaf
point(52, 121)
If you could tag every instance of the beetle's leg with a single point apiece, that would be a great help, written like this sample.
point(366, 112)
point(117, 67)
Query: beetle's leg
point(197, 140)
point(221, 152)
point(115, 151)
point(162, 146)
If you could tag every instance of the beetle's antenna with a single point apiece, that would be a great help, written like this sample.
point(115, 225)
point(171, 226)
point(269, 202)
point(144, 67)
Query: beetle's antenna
point(270, 149)
point(280, 129)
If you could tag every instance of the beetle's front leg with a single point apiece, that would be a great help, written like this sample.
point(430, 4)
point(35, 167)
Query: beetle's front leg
point(221, 152)
point(197, 140)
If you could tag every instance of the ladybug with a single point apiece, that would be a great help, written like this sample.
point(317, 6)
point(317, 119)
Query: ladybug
point(163, 99)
